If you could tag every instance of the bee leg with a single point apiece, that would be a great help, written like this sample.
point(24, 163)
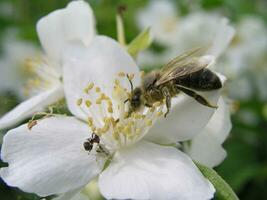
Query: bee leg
point(197, 97)
point(167, 95)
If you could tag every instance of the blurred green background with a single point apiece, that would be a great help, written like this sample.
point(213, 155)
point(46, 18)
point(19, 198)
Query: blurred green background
point(245, 167)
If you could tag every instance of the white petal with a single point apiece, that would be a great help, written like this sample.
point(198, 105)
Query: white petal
point(72, 195)
point(149, 171)
point(49, 158)
point(100, 64)
point(186, 119)
point(75, 22)
point(206, 147)
point(223, 37)
point(30, 106)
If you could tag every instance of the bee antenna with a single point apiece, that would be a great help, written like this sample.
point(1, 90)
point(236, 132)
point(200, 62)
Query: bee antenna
point(131, 83)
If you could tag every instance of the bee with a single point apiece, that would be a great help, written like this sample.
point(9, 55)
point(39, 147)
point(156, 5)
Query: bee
point(186, 73)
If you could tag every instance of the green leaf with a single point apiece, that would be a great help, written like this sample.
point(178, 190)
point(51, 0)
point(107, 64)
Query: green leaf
point(223, 190)
point(140, 43)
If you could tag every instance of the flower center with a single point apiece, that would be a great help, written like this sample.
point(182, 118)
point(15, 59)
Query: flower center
point(169, 24)
point(42, 74)
point(113, 124)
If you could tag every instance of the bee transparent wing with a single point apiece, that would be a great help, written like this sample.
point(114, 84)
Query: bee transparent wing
point(182, 65)
point(183, 58)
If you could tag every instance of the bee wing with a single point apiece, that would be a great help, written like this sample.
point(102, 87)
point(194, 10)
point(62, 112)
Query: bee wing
point(182, 65)
point(186, 56)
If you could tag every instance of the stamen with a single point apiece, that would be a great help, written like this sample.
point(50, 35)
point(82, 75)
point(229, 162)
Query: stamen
point(88, 103)
point(121, 74)
point(97, 89)
point(88, 88)
point(79, 102)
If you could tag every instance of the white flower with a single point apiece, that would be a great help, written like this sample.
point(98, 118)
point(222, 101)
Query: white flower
point(197, 29)
point(245, 61)
point(51, 157)
point(12, 61)
point(206, 147)
point(73, 23)
point(162, 17)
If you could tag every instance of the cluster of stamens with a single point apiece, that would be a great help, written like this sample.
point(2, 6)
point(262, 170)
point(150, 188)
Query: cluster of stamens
point(115, 124)
point(42, 75)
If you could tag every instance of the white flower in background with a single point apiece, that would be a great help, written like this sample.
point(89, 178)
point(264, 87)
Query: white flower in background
point(161, 16)
point(73, 23)
point(197, 29)
point(245, 62)
point(51, 157)
point(12, 62)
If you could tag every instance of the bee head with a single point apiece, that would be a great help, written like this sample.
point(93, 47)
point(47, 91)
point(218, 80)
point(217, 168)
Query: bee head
point(135, 100)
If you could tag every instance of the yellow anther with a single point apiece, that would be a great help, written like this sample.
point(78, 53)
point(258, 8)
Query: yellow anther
point(79, 102)
point(121, 74)
point(160, 113)
point(138, 131)
point(110, 109)
point(88, 103)
point(127, 130)
point(130, 76)
point(117, 82)
point(89, 87)
point(102, 96)
point(97, 89)
point(90, 121)
point(148, 122)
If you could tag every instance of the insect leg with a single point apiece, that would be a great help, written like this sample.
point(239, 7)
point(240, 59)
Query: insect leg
point(167, 95)
point(196, 96)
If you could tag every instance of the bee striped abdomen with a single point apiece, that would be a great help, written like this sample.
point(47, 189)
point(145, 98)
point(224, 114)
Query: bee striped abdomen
point(203, 80)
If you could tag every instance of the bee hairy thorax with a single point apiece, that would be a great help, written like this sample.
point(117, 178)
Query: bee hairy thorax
point(152, 93)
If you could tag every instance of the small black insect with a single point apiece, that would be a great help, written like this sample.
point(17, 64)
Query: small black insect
point(89, 143)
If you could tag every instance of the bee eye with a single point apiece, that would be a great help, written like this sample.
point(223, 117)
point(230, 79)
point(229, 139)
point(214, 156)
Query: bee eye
point(87, 146)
